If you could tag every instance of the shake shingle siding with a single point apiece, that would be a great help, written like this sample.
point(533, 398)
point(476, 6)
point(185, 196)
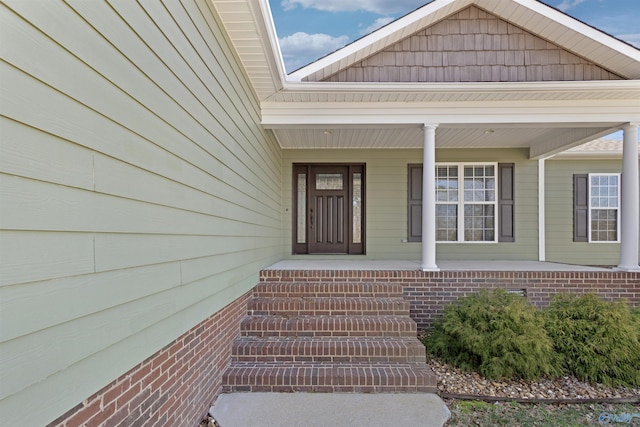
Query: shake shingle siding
point(471, 46)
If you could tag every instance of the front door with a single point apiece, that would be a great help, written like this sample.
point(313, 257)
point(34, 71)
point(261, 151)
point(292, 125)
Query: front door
point(329, 214)
point(328, 210)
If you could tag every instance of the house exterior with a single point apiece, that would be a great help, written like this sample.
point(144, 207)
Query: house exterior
point(154, 158)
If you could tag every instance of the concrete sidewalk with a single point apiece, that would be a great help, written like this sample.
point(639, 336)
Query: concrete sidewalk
point(329, 410)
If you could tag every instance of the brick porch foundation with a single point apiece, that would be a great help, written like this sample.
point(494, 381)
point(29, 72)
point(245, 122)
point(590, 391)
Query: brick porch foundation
point(174, 387)
point(428, 292)
point(177, 385)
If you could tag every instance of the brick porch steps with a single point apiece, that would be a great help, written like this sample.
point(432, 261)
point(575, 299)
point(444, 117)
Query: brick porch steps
point(328, 377)
point(317, 336)
point(332, 350)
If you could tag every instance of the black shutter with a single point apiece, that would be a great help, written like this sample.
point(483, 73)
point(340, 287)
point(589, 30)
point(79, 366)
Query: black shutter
point(414, 208)
point(506, 205)
point(580, 208)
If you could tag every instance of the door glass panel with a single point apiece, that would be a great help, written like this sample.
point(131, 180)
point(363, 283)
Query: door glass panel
point(302, 208)
point(357, 208)
point(329, 181)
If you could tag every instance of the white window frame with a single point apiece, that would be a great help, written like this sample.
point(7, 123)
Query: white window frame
point(461, 202)
point(591, 208)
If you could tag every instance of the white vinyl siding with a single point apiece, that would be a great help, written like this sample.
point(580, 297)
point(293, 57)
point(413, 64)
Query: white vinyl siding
point(139, 193)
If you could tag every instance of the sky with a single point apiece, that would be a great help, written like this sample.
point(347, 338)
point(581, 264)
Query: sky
point(309, 29)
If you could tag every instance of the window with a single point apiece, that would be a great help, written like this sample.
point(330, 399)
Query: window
point(467, 212)
point(596, 207)
point(604, 201)
point(470, 205)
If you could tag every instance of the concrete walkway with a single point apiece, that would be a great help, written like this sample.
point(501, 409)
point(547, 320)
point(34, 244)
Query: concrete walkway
point(329, 410)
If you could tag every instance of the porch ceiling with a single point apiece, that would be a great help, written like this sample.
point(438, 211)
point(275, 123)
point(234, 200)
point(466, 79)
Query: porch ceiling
point(541, 140)
point(546, 117)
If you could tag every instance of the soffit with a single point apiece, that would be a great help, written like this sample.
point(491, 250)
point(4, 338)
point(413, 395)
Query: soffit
point(249, 26)
point(544, 138)
point(531, 15)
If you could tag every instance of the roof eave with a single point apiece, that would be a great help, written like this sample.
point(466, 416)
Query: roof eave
point(465, 87)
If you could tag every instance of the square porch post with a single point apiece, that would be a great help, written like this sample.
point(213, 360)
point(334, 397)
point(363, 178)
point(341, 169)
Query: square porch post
point(629, 201)
point(429, 199)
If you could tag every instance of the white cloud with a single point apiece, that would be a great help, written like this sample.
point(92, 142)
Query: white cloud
point(311, 44)
point(569, 4)
point(380, 22)
point(381, 7)
point(301, 48)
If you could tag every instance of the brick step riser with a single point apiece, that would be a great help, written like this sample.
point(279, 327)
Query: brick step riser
point(327, 334)
point(332, 378)
point(266, 350)
point(329, 307)
point(304, 311)
point(267, 326)
point(327, 290)
point(328, 359)
point(326, 389)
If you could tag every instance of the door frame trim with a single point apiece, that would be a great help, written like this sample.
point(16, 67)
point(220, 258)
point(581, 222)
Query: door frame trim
point(352, 248)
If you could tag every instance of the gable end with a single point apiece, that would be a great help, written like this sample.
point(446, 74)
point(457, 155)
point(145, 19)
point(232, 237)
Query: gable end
point(471, 46)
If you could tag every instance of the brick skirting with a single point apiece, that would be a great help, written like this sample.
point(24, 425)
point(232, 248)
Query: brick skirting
point(177, 385)
point(174, 387)
point(428, 292)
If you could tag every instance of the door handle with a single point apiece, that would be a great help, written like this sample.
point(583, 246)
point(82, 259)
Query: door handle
point(311, 218)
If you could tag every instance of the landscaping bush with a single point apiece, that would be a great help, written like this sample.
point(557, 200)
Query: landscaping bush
point(595, 340)
point(496, 333)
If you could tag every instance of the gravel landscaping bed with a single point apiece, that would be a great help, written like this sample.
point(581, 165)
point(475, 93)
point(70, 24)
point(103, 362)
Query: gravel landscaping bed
point(452, 381)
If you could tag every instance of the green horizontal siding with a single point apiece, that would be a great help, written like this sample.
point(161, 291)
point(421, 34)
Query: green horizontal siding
point(386, 202)
point(559, 214)
point(139, 192)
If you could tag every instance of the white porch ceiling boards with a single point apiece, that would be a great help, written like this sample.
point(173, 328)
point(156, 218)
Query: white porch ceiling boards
point(485, 136)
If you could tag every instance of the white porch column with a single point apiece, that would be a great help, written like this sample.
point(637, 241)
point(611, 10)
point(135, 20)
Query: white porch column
point(429, 199)
point(629, 201)
point(542, 224)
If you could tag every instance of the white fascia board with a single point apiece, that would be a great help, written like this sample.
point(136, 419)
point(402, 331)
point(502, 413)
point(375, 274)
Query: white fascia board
point(372, 38)
point(580, 27)
point(460, 87)
point(267, 29)
point(597, 111)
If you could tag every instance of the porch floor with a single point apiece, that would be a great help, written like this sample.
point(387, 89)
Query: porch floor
point(314, 264)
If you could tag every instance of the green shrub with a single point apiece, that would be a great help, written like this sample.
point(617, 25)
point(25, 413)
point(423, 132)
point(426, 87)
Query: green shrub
point(635, 312)
point(496, 333)
point(596, 340)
